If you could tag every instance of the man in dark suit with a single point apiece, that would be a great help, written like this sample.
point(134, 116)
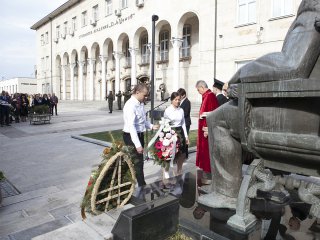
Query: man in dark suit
point(186, 106)
point(217, 90)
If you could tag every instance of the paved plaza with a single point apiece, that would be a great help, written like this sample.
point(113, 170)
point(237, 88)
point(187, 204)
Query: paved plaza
point(49, 170)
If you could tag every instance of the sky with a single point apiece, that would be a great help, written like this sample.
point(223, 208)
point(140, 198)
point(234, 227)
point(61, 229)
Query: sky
point(17, 40)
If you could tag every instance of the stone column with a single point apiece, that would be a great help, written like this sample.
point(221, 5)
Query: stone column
point(91, 63)
point(176, 42)
point(103, 76)
point(72, 66)
point(64, 87)
point(80, 85)
point(133, 66)
point(117, 57)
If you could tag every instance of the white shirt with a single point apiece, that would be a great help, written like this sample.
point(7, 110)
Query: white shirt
point(135, 120)
point(176, 116)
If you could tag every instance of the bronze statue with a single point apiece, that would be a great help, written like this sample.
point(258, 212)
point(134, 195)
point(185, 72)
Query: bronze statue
point(275, 116)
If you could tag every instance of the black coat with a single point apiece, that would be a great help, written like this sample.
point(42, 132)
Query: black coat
point(186, 106)
point(222, 99)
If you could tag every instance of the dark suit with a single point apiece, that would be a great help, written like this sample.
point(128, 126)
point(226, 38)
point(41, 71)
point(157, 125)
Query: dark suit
point(221, 99)
point(186, 106)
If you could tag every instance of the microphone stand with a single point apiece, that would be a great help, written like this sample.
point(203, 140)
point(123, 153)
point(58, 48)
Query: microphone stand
point(150, 111)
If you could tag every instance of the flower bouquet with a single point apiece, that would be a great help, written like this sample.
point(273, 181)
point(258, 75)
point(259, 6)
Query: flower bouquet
point(164, 145)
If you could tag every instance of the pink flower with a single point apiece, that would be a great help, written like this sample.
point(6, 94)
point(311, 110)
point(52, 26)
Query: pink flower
point(173, 131)
point(158, 145)
point(163, 149)
point(161, 134)
point(161, 139)
point(168, 135)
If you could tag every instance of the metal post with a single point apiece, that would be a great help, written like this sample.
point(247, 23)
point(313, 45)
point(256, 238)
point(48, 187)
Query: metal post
point(154, 19)
point(215, 38)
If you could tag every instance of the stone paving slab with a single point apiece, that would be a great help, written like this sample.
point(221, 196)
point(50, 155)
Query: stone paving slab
point(25, 223)
point(102, 224)
point(40, 229)
point(29, 195)
point(76, 231)
point(7, 189)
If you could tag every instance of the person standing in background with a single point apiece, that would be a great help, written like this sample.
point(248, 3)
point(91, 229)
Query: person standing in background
point(209, 103)
point(185, 104)
point(217, 90)
point(54, 102)
point(119, 96)
point(110, 98)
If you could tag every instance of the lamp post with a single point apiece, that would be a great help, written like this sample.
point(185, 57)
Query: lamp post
point(154, 19)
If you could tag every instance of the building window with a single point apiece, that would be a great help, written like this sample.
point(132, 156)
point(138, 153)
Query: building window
point(145, 54)
point(124, 3)
point(164, 46)
point(95, 13)
point(46, 38)
point(282, 8)
point(42, 40)
point(42, 64)
point(74, 24)
point(127, 54)
point(58, 32)
point(108, 7)
point(84, 20)
point(246, 11)
point(47, 62)
point(65, 29)
point(186, 41)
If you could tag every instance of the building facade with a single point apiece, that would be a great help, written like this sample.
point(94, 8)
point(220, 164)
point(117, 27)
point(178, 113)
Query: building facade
point(19, 85)
point(86, 48)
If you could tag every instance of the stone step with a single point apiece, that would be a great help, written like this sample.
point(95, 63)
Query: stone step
point(77, 231)
point(29, 195)
point(17, 225)
point(44, 203)
point(95, 227)
point(38, 230)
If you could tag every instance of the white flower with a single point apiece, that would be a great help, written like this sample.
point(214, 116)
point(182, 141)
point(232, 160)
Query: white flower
point(168, 135)
point(173, 131)
point(165, 142)
point(161, 134)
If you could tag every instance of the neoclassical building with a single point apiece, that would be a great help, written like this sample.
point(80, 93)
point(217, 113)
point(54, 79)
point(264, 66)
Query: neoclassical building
point(86, 48)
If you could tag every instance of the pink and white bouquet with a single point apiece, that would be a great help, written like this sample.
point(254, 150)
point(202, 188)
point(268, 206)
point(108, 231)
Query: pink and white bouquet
point(164, 145)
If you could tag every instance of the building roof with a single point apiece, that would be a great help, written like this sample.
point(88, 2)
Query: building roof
point(55, 13)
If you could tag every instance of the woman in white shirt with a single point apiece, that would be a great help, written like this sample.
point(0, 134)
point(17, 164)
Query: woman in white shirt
point(176, 116)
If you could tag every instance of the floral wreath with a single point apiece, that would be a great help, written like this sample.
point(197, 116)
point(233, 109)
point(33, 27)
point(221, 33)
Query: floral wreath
point(165, 144)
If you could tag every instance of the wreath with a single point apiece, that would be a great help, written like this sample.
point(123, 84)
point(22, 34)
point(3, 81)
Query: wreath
point(112, 183)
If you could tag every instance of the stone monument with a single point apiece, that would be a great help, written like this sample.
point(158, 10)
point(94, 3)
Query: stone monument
point(275, 116)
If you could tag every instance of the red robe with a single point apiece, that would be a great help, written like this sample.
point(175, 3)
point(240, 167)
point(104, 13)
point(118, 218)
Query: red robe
point(209, 103)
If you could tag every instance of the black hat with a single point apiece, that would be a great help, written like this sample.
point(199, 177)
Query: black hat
point(218, 84)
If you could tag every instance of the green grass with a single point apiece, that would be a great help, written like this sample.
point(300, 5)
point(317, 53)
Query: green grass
point(1, 176)
point(108, 136)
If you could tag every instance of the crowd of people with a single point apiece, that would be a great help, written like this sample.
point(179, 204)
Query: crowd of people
point(16, 107)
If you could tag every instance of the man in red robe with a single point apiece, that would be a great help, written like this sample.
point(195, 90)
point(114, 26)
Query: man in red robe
point(209, 103)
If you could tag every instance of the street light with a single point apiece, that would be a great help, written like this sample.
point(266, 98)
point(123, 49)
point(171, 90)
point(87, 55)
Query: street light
point(154, 19)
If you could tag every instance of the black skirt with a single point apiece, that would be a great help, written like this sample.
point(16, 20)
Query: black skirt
point(182, 138)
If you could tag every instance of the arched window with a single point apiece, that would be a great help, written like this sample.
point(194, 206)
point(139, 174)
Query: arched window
point(145, 54)
point(164, 46)
point(127, 54)
point(186, 43)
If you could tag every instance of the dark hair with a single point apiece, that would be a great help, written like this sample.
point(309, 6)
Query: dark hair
point(139, 87)
point(174, 95)
point(182, 92)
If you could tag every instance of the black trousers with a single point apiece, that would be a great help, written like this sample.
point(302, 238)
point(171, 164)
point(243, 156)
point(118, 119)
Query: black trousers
point(187, 151)
point(4, 115)
point(136, 157)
